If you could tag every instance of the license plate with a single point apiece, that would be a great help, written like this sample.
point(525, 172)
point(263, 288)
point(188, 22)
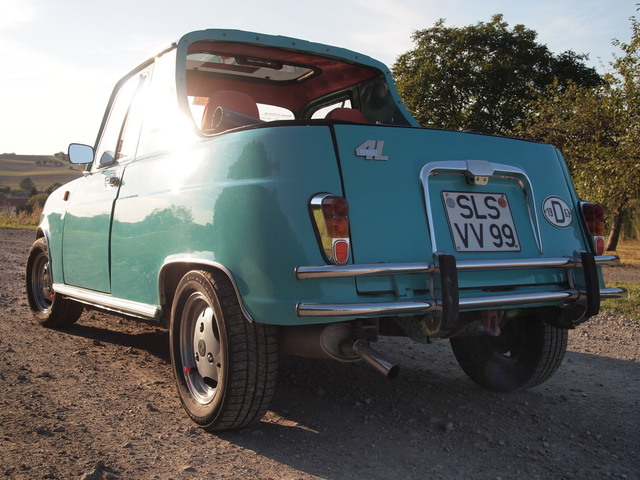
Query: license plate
point(480, 222)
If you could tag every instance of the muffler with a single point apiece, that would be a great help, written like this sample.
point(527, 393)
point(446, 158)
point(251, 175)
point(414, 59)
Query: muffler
point(318, 341)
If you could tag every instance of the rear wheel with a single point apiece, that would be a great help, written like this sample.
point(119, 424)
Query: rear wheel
point(50, 309)
point(526, 353)
point(225, 367)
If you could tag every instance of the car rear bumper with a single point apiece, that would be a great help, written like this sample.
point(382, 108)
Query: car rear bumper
point(446, 269)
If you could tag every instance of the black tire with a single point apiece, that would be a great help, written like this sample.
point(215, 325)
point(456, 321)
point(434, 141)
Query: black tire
point(50, 309)
point(225, 367)
point(526, 353)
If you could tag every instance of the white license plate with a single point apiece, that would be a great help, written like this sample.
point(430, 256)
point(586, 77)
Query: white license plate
point(480, 222)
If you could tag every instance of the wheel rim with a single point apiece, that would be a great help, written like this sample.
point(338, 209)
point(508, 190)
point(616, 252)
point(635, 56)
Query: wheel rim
point(200, 349)
point(41, 283)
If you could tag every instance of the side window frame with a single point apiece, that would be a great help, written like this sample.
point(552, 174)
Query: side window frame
point(118, 126)
point(343, 96)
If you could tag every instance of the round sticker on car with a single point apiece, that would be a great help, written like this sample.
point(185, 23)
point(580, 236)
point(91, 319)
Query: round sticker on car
point(557, 212)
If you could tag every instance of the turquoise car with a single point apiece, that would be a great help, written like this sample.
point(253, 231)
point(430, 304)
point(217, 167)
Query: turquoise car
point(266, 196)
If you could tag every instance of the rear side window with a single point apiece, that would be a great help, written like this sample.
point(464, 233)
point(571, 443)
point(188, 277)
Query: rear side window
point(377, 104)
point(322, 112)
point(268, 113)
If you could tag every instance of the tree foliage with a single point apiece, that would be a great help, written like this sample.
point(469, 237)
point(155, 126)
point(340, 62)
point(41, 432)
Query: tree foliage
point(598, 130)
point(49, 190)
point(27, 185)
point(62, 157)
point(481, 76)
point(588, 126)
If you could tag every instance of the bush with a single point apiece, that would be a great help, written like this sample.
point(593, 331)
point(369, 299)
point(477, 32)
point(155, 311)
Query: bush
point(23, 219)
point(36, 201)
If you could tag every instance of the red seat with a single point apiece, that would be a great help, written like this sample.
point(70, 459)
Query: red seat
point(228, 100)
point(347, 114)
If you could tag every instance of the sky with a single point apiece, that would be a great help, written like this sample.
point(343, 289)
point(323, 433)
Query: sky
point(59, 59)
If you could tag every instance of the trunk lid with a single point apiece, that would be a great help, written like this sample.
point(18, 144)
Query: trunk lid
point(413, 192)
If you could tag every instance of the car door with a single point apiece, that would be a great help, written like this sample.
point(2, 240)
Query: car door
point(87, 223)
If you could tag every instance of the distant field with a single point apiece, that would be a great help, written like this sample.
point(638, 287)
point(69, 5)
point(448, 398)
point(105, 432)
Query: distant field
point(14, 168)
point(629, 253)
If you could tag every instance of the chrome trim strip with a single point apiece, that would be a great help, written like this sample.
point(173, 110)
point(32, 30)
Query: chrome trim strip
point(375, 269)
point(607, 259)
point(471, 303)
point(613, 293)
point(364, 270)
point(484, 169)
point(361, 309)
point(553, 262)
point(518, 299)
point(324, 240)
point(107, 302)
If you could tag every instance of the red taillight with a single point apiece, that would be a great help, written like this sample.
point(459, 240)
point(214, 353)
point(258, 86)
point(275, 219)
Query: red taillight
point(335, 211)
point(598, 242)
point(330, 214)
point(594, 217)
point(341, 251)
point(593, 214)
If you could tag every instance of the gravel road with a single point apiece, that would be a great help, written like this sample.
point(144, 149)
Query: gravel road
point(97, 401)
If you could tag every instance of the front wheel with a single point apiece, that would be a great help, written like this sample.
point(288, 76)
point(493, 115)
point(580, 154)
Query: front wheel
point(50, 309)
point(225, 367)
point(526, 353)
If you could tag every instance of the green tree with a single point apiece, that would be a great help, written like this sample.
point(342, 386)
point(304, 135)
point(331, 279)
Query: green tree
point(61, 157)
point(598, 130)
point(481, 76)
point(27, 185)
point(627, 80)
point(52, 187)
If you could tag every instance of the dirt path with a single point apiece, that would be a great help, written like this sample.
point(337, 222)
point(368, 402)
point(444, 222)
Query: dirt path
point(98, 401)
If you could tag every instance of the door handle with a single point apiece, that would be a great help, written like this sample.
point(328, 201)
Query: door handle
point(112, 181)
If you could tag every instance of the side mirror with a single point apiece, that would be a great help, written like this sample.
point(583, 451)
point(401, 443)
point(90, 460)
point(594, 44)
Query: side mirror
point(80, 154)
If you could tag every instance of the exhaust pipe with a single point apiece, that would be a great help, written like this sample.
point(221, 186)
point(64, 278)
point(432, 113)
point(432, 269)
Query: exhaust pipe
point(375, 359)
point(332, 341)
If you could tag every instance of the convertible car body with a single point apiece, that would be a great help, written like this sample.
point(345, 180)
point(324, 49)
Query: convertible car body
point(266, 196)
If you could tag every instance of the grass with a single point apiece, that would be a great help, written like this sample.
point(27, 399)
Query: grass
point(23, 220)
point(630, 306)
point(629, 253)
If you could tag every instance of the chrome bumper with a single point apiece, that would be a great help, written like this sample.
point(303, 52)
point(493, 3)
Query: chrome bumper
point(590, 294)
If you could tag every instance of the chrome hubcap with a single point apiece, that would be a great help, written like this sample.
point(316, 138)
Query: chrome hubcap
point(200, 348)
